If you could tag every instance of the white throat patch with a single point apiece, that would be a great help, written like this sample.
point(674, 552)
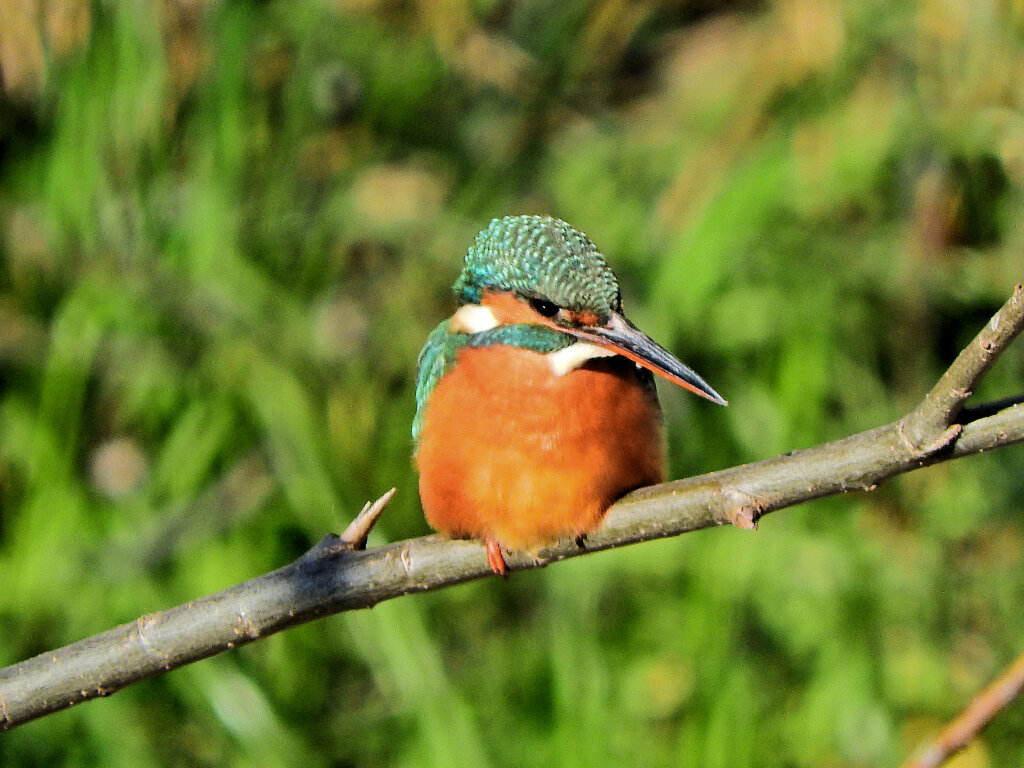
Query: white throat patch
point(572, 357)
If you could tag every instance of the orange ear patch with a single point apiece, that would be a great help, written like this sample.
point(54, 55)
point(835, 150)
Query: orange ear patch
point(508, 310)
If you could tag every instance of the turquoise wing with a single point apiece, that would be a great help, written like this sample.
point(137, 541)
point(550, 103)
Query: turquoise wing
point(437, 355)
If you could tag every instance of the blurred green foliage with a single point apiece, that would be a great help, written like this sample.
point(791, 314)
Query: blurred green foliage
point(227, 227)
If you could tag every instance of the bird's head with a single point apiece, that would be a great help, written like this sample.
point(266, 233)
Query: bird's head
point(537, 270)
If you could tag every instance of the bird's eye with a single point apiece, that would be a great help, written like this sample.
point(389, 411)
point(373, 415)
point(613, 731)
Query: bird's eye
point(544, 307)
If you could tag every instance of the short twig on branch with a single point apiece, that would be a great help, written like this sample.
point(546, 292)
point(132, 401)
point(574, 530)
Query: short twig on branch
point(358, 530)
point(932, 424)
point(979, 713)
point(337, 575)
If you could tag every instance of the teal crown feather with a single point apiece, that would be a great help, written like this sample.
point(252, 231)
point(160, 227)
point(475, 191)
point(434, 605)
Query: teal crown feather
point(538, 257)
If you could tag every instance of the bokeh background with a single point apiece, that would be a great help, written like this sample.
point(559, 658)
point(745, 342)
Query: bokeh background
point(227, 227)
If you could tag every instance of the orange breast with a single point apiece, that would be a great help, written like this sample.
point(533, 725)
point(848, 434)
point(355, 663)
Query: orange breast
point(510, 451)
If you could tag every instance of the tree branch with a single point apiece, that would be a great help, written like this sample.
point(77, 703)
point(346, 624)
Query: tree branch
point(972, 721)
point(336, 576)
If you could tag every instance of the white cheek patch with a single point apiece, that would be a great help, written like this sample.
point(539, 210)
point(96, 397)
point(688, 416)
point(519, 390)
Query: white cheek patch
point(572, 357)
point(473, 318)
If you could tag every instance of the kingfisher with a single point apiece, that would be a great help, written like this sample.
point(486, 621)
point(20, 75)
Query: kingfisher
point(535, 401)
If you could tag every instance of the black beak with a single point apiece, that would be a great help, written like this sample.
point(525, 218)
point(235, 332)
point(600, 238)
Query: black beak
point(622, 337)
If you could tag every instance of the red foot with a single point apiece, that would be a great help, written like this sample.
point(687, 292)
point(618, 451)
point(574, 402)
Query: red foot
point(495, 559)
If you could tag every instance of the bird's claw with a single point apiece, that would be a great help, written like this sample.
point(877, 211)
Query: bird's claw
point(495, 559)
